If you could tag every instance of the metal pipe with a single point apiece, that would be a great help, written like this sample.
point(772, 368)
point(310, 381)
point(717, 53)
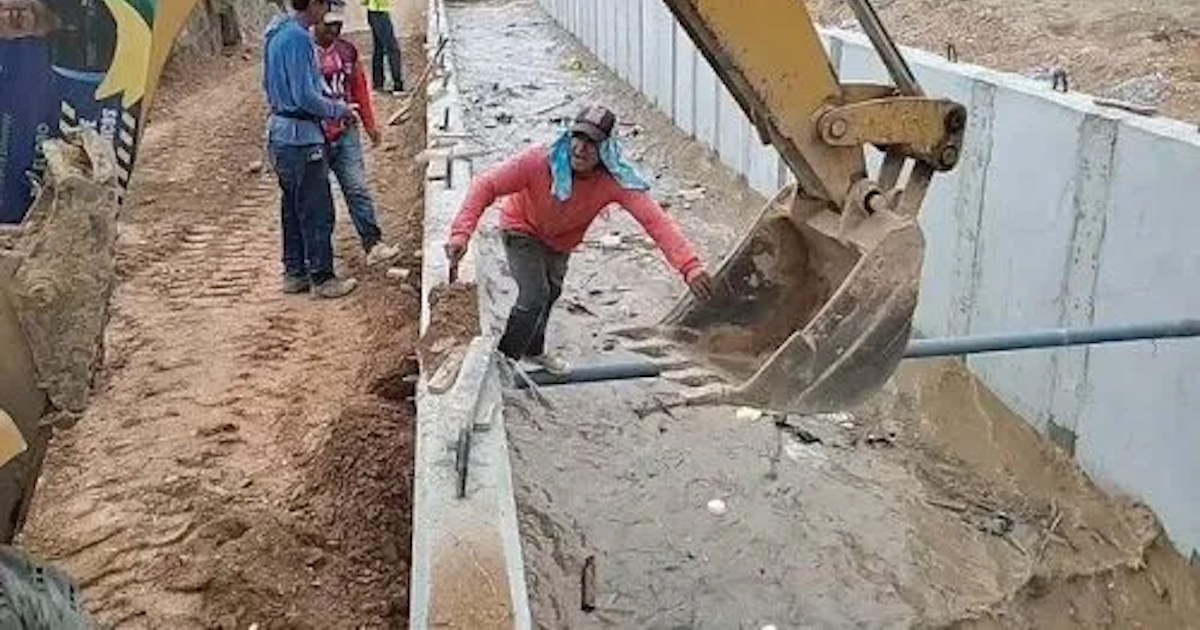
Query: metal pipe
point(594, 373)
point(1051, 338)
point(920, 348)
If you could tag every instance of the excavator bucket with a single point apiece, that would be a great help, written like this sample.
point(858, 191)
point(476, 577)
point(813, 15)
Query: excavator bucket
point(814, 306)
point(808, 316)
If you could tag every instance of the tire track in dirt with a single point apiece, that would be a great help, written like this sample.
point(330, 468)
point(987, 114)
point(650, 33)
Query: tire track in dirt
point(233, 430)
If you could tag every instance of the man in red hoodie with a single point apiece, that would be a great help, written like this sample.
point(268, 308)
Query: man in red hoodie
point(553, 193)
point(345, 81)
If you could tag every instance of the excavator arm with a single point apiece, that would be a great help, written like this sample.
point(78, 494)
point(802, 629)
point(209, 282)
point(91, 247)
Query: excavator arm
point(815, 304)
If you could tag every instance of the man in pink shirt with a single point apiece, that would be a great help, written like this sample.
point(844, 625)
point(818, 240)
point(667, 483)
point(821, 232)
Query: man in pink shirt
point(552, 195)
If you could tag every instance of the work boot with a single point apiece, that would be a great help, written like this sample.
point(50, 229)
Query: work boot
point(550, 363)
point(334, 288)
point(381, 252)
point(295, 284)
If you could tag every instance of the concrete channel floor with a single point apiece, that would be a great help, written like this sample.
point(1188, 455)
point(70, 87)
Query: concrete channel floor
point(951, 516)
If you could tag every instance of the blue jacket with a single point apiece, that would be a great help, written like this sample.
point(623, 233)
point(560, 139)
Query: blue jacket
point(293, 85)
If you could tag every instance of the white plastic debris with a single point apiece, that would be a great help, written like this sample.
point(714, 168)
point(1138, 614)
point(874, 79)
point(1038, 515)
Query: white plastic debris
point(717, 507)
point(692, 194)
point(749, 414)
point(769, 626)
point(610, 240)
point(398, 273)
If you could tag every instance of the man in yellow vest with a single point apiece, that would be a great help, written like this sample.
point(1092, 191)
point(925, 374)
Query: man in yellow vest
point(384, 45)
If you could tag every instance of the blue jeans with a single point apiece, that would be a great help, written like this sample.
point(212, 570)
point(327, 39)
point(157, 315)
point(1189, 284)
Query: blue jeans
point(346, 162)
point(306, 211)
point(384, 44)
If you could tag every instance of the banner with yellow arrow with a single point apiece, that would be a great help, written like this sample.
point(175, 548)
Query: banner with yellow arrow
point(67, 63)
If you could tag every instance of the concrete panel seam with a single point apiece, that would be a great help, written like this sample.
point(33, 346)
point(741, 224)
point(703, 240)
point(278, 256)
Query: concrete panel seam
point(969, 205)
point(1090, 204)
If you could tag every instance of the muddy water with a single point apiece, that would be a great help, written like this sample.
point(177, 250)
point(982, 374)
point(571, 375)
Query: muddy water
point(929, 506)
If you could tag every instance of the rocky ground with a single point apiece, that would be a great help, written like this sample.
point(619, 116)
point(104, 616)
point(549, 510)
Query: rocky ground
point(1147, 51)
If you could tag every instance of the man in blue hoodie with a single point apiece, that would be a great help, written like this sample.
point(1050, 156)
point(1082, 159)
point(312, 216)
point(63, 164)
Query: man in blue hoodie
point(297, 142)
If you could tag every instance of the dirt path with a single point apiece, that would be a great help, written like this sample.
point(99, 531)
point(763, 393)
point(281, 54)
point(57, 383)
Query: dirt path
point(248, 456)
point(1146, 51)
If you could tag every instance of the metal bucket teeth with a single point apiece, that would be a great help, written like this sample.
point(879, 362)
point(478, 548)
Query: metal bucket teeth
point(673, 362)
point(656, 347)
point(692, 377)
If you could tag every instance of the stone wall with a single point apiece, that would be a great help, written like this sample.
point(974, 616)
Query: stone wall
point(217, 24)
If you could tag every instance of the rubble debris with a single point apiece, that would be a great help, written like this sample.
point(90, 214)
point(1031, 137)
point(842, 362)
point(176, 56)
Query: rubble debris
point(879, 439)
point(748, 414)
point(576, 307)
point(575, 64)
point(587, 585)
point(1149, 90)
point(610, 241)
point(691, 195)
point(397, 273)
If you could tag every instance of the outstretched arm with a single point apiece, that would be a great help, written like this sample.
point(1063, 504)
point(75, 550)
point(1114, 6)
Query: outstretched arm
point(669, 237)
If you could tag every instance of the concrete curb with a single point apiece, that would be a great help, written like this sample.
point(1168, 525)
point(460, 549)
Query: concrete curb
point(467, 563)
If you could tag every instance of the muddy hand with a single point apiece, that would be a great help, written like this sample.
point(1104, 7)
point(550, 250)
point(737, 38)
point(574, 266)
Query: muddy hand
point(702, 286)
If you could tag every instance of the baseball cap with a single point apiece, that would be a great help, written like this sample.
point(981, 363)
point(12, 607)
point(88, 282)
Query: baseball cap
point(595, 122)
point(335, 14)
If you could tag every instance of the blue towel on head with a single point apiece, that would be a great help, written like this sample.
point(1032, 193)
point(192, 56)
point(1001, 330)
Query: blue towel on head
point(610, 155)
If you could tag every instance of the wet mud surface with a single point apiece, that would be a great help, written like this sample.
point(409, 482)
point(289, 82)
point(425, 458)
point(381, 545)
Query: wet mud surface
point(929, 506)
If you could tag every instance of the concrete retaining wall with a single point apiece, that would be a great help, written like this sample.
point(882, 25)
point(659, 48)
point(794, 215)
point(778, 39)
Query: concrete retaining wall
point(1061, 213)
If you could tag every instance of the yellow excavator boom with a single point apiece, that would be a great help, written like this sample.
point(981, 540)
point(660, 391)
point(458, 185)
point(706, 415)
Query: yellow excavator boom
point(815, 304)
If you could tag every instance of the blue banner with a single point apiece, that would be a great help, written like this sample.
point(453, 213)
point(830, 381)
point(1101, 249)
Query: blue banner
point(67, 63)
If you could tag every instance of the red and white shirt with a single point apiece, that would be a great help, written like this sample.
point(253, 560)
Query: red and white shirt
point(344, 81)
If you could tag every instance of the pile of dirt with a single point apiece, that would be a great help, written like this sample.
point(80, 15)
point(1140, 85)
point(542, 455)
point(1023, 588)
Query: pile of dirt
point(1086, 559)
point(359, 484)
point(453, 322)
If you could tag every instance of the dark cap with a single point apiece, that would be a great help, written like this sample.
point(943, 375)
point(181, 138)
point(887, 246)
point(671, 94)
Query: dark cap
point(595, 122)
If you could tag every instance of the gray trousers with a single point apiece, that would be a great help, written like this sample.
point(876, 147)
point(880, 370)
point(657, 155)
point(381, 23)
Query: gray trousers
point(539, 272)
